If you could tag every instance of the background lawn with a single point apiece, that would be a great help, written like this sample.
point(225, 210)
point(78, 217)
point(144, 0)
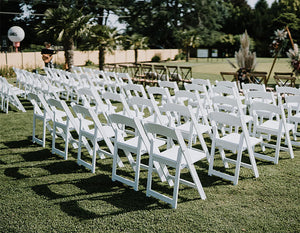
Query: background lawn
point(41, 192)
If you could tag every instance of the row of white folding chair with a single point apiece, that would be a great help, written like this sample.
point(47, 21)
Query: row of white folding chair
point(230, 132)
point(35, 83)
point(262, 126)
point(59, 120)
point(9, 95)
point(176, 156)
point(258, 93)
point(249, 118)
point(135, 100)
point(289, 97)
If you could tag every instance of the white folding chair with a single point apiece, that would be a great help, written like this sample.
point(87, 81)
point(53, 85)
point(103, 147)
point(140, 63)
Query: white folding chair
point(171, 85)
point(293, 115)
point(131, 90)
point(62, 127)
point(116, 103)
point(232, 106)
point(205, 98)
point(205, 82)
point(94, 134)
point(147, 110)
point(236, 141)
point(125, 77)
point(90, 98)
point(9, 95)
point(133, 147)
point(267, 126)
point(283, 92)
point(176, 156)
point(44, 114)
point(159, 94)
point(184, 119)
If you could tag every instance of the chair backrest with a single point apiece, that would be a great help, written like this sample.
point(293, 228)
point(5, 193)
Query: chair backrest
point(86, 114)
point(116, 101)
point(164, 94)
point(261, 96)
point(38, 100)
point(204, 82)
point(135, 90)
point(171, 85)
point(120, 122)
point(225, 104)
point(224, 119)
point(201, 89)
point(224, 89)
point(253, 87)
point(171, 134)
point(259, 109)
point(125, 77)
point(287, 90)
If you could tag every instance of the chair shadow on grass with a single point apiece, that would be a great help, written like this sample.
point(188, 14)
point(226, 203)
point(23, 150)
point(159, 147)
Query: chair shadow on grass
point(107, 198)
point(20, 143)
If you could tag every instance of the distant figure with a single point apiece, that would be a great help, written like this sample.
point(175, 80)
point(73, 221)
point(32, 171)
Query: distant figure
point(47, 54)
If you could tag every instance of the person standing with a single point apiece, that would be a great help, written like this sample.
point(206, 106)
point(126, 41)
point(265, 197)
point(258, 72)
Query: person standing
point(47, 54)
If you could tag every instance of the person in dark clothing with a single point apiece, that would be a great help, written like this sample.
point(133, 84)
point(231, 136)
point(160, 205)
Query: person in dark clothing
point(47, 54)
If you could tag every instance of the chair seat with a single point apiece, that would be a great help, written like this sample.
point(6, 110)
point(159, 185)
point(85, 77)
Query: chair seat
point(185, 128)
point(295, 118)
point(133, 144)
point(170, 156)
point(107, 129)
point(230, 142)
point(272, 127)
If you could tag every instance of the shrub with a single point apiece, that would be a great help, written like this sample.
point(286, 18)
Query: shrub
point(179, 56)
point(89, 63)
point(156, 58)
point(7, 72)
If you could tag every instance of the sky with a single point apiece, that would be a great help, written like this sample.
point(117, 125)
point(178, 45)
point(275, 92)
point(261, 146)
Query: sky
point(253, 2)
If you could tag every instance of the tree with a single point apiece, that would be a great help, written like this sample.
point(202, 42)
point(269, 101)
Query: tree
point(136, 42)
point(261, 27)
point(103, 38)
point(189, 39)
point(159, 20)
point(65, 25)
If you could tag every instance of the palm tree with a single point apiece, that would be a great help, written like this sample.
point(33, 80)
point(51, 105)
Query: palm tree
point(103, 38)
point(136, 42)
point(65, 25)
point(188, 39)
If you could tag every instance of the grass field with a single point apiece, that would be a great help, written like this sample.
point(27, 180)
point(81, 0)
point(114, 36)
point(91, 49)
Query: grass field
point(41, 192)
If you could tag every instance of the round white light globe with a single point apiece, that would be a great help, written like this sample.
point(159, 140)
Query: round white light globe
point(16, 34)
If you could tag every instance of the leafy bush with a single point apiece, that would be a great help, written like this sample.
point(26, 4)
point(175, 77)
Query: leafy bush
point(7, 72)
point(179, 56)
point(89, 63)
point(156, 58)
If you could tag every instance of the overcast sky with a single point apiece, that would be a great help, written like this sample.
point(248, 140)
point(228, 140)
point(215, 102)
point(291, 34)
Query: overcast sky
point(253, 2)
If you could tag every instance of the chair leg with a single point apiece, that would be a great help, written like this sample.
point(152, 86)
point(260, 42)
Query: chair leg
point(237, 167)
point(197, 181)
point(176, 186)
point(149, 179)
point(278, 143)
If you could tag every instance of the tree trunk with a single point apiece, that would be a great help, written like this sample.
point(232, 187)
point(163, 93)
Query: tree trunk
point(135, 56)
point(69, 53)
point(101, 57)
point(187, 53)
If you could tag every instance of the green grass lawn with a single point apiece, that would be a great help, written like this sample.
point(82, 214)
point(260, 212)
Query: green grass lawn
point(41, 192)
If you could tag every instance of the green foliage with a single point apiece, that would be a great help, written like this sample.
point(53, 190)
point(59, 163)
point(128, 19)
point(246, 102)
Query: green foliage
point(179, 56)
point(156, 58)
point(65, 25)
point(7, 72)
point(89, 63)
